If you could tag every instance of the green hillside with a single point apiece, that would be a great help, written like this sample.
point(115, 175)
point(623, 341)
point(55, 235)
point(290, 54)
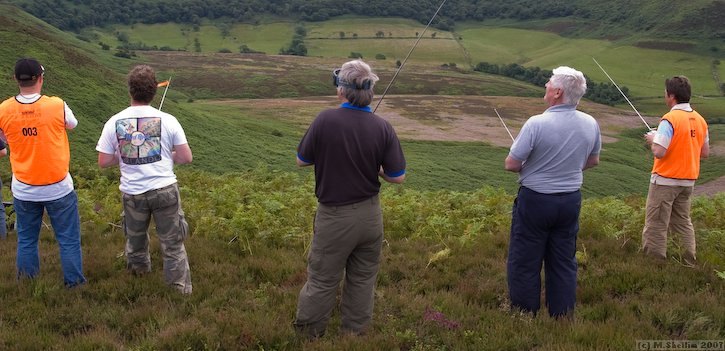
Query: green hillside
point(92, 81)
point(642, 70)
point(73, 72)
point(442, 281)
point(590, 18)
point(639, 64)
point(444, 251)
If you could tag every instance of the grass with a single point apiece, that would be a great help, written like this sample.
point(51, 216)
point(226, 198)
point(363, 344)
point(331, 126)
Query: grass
point(247, 254)
point(230, 76)
point(642, 70)
point(267, 134)
point(432, 51)
point(369, 27)
point(268, 37)
point(251, 213)
point(92, 90)
point(708, 107)
point(323, 39)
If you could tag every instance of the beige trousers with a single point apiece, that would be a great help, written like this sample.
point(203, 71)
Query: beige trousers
point(668, 210)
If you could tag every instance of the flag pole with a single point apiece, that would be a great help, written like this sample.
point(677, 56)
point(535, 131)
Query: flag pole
point(168, 82)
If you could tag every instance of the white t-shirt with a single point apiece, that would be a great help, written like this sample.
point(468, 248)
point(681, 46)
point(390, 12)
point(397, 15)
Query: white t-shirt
point(40, 193)
point(142, 138)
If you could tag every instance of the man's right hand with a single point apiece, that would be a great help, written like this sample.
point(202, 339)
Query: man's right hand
point(649, 136)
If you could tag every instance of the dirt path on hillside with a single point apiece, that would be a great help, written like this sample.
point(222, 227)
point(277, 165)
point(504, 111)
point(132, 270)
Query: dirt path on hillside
point(717, 185)
point(711, 188)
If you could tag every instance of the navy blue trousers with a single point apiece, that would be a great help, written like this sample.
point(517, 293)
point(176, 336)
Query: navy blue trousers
point(543, 230)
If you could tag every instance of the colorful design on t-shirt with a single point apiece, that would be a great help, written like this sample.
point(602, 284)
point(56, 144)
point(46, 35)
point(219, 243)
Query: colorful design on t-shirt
point(139, 140)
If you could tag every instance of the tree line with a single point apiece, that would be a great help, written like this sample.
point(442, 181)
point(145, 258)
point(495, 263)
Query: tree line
point(639, 15)
point(603, 93)
point(77, 14)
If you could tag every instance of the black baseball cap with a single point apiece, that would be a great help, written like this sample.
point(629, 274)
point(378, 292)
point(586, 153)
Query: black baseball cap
point(28, 69)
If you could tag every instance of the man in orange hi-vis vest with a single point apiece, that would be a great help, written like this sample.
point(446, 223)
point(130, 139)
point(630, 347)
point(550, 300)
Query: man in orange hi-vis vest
point(35, 126)
point(678, 145)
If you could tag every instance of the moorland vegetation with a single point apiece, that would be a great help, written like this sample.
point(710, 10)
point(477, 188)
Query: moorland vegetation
point(442, 283)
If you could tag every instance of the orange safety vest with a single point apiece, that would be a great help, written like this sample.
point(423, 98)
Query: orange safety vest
point(682, 159)
point(39, 149)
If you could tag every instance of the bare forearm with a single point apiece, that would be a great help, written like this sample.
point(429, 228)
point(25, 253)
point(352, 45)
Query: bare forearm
point(182, 154)
point(395, 180)
point(591, 162)
point(107, 160)
point(301, 163)
point(513, 165)
point(658, 151)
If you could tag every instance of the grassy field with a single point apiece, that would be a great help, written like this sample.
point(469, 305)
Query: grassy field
point(268, 38)
point(247, 254)
point(92, 89)
point(267, 133)
point(431, 51)
point(641, 69)
point(323, 39)
point(636, 66)
point(442, 284)
point(262, 76)
point(369, 28)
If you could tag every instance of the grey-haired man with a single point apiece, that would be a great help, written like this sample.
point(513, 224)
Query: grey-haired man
point(350, 147)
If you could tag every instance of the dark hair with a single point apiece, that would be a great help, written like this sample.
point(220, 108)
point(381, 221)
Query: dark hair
point(142, 83)
point(27, 83)
point(679, 86)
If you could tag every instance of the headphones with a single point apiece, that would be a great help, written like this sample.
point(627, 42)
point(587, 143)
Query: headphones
point(337, 82)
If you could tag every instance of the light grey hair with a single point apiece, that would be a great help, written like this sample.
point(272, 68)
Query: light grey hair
point(355, 74)
point(571, 82)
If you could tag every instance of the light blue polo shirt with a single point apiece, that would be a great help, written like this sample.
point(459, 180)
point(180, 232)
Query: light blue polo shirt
point(554, 147)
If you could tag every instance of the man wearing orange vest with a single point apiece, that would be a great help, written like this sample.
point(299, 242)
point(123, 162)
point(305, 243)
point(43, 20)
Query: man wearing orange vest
point(678, 145)
point(35, 126)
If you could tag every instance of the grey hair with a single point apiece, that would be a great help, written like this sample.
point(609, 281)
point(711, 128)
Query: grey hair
point(356, 73)
point(571, 81)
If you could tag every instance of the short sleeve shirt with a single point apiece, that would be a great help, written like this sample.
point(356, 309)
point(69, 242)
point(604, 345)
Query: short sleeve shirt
point(555, 146)
point(143, 138)
point(347, 146)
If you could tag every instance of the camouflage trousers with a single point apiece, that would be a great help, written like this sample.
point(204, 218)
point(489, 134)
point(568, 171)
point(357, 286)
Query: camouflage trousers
point(164, 205)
